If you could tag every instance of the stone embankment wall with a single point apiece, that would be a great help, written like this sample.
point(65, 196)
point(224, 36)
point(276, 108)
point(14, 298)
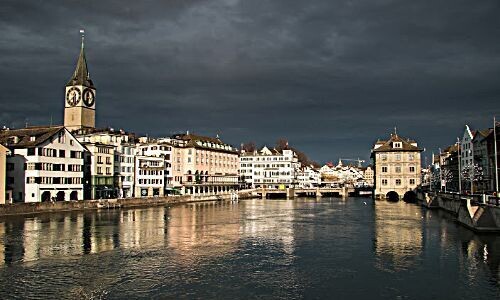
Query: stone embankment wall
point(473, 212)
point(449, 202)
point(42, 207)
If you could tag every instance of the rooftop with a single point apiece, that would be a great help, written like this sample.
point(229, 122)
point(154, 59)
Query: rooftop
point(27, 137)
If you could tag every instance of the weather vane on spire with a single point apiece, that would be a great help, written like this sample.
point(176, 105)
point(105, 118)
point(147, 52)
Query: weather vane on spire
point(82, 32)
point(395, 131)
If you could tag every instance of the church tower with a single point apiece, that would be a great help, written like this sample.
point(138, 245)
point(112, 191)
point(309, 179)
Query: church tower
point(79, 109)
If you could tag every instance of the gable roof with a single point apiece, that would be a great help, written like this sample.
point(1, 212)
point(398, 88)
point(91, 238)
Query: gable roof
point(482, 134)
point(22, 138)
point(386, 146)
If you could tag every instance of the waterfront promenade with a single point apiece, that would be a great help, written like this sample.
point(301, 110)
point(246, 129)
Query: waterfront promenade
point(254, 249)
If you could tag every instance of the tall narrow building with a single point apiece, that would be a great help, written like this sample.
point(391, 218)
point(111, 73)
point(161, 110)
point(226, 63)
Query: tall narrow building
point(79, 109)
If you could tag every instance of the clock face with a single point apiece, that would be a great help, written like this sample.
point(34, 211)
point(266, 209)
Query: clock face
point(73, 96)
point(88, 97)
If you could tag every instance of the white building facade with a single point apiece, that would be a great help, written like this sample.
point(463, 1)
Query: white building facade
point(270, 169)
point(46, 164)
point(308, 177)
point(163, 150)
point(122, 169)
point(149, 176)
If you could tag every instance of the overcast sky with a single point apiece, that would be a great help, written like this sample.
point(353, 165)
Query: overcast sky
point(331, 76)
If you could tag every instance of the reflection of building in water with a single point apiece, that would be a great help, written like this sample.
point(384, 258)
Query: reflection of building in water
point(209, 226)
point(52, 236)
point(142, 227)
point(271, 223)
point(103, 232)
point(45, 236)
point(71, 234)
point(477, 253)
point(398, 235)
point(2, 245)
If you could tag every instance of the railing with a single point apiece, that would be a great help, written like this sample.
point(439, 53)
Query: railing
point(476, 199)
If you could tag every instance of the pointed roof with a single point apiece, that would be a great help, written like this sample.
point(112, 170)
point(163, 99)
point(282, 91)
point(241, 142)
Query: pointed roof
point(81, 75)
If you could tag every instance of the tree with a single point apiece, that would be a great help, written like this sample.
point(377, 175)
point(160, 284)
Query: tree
point(447, 176)
point(249, 147)
point(472, 174)
point(282, 144)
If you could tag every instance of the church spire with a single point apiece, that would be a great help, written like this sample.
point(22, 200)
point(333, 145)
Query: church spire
point(81, 75)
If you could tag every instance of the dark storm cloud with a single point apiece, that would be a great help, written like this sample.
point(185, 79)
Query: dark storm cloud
point(331, 76)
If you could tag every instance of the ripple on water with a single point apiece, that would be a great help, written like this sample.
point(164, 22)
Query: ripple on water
point(256, 249)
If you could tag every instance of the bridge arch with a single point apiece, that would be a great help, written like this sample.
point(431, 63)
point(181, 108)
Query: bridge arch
point(392, 196)
point(410, 196)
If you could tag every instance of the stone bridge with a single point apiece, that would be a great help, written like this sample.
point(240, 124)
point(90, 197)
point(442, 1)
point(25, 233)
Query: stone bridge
point(291, 193)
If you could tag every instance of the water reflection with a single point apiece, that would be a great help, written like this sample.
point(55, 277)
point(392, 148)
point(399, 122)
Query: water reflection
point(480, 253)
point(271, 224)
point(73, 234)
point(306, 248)
point(398, 235)
point(211, 226)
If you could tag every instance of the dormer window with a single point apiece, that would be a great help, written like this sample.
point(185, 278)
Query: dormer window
point(397, 145)
point(32, 138)
point(13, 140)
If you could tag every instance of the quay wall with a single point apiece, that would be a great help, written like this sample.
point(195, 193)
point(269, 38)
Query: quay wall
point(44, 207)
point(449, 202)
point(474, 212)
point(427, 199)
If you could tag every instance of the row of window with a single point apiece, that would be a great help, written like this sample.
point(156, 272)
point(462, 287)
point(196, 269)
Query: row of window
point(220, 164)
point(397, 181)
point(223, 157)
point(52, 167)
point(397, 169)
point(161, 148)
point(150, 181)
point(104, 150)
point(108, 171)
point(150, 172)
point(269, 174)
point(124, 169)
point(48, 152)
point(397, 156)
point(271, 181)
point(54, 180)
point(149, 163)
point(99, 160)
point(123, 159)
point(265, 165)
point(281, 158)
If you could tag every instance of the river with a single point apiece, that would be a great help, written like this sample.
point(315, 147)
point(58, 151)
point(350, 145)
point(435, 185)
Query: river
point(297, 249)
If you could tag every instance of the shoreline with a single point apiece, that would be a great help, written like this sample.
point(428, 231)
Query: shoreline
point(20, 209)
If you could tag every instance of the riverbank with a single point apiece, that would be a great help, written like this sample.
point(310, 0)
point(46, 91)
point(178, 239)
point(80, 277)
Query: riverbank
point(47, 207)
point(476, 212)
